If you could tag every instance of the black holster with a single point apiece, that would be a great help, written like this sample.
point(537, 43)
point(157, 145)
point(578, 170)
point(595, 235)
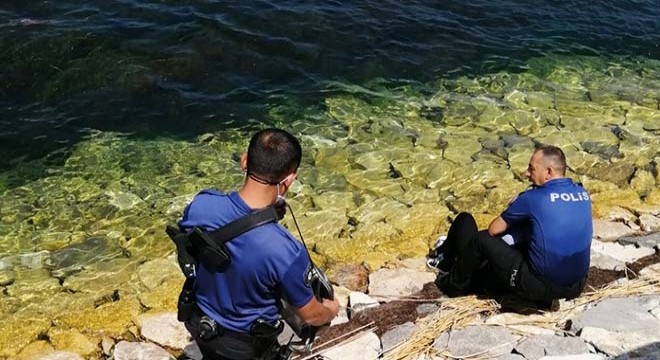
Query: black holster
point(265, 344)
point(187, 303)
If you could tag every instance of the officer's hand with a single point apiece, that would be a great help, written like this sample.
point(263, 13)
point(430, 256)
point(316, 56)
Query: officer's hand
point(333, 306)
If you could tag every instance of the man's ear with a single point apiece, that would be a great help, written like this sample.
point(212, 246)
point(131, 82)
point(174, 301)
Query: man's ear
point(244, 162)
point(549, 173)
point(290, 179)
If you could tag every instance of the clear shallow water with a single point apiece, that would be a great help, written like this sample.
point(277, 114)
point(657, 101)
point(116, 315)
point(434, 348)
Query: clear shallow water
point(113, 114)
point(178, 69)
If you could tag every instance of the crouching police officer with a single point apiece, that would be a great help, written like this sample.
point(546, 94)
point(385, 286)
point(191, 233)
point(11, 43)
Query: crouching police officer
point(237, 312)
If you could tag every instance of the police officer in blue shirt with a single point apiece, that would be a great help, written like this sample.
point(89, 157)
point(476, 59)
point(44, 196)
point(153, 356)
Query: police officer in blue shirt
point(551, 225)
point(267, 262)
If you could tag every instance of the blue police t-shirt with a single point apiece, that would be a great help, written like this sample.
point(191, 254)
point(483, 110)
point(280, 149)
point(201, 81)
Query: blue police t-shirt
point(559, 215)
point(267, 264)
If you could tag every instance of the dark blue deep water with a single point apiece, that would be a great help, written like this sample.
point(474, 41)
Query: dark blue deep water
point(180, 68)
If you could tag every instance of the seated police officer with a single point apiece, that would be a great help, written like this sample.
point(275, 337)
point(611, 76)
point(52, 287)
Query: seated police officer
point(550, 225)
point(267, 262)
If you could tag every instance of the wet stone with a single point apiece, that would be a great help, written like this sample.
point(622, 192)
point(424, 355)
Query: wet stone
point(514, 140)
point(605, 151)
point(89, 251)
point(7, 277)
point(124, 200)
point(643, 182)
point(619, 173)
point(34, 350)
point(73, 341)
point(153, 273)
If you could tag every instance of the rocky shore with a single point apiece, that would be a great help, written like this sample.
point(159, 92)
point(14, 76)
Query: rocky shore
point(385, 309)
point(85, 264)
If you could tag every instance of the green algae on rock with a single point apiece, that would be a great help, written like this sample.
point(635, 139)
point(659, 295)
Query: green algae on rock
point(383, 172)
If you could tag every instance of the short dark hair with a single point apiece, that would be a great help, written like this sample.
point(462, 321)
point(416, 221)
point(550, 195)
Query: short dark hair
point(555, 155)
point(273, 154)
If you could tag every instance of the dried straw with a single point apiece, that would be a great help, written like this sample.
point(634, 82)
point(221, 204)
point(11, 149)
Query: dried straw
point(460, 312)
point(453, 313)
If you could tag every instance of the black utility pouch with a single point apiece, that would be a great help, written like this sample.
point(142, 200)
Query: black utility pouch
point(186, 304)
point(263, 329)
point(213, 254)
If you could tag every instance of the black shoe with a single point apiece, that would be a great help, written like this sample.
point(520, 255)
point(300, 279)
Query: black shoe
point(547, 305)
point(442, 282)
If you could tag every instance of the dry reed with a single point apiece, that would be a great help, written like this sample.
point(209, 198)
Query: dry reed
point(459, 312)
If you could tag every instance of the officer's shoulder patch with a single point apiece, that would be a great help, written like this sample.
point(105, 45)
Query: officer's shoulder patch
point(309, 275)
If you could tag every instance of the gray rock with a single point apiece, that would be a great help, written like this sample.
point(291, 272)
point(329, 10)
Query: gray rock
point(426, 309)
point(608, 230)
point(647, 352)
point(365, 347)
point(390, 284)
point(358, 301)
point(603, 261)
point(397, 335)
point(623, 253)
point(441, 342)
point(574, 357)
point(511, 356)
point(537, 346)
point(489, 341)
point(649, 241)
point(649, 222)
point(617, 315)
point(125, 350)
point(619, 343)
point(651, 270)
point(164, 329)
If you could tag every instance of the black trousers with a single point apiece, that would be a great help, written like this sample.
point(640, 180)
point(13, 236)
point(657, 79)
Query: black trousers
point(228, 345)
point(474, 257)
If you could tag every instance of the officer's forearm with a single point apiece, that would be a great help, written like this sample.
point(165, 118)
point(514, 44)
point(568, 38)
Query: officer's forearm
point(315, 313)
